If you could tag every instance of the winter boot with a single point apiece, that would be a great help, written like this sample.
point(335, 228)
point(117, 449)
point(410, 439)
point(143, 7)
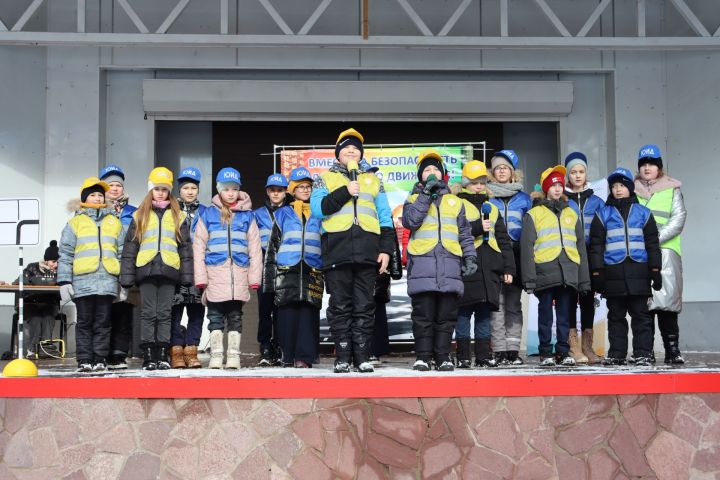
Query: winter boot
point(216, 349)
point(512, 357)
point(149, 362)
point(266, 356)
point(161, 358)
point(190, 357)
point(233, 351)
point(587, 346)
point(343, 356)
point(176, 357)
point(672, 351)
point(483, 355)
point(361, 354)
point(463, 353)
point(575, 349)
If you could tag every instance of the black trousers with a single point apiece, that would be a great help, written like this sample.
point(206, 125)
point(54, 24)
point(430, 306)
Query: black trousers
point(92, 330)
point(155, 324)
point(641, 322)
point(433, 320)
point(381, 336)
point(351, 309)
point(668, 324)
point(587, 311)
point(267, 319)
point(297, 336)
point(121, 320)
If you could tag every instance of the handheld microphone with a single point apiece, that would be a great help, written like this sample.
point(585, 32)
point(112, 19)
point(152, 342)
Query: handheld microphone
point(353, 170)
point(486, 209)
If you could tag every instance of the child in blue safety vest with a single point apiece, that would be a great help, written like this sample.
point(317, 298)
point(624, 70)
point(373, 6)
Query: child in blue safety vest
point(276, 191)
point(184, 349)
point(88, 272)
point(506, 186)
point(157, 256)
point(121, 314)
point(228, 262)
point(293, 274)
point(625, 260)
point(440, 253)
point(585, 203)
point(554, 263)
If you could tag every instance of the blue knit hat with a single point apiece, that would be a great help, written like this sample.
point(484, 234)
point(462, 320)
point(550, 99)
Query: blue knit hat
point(575, 158)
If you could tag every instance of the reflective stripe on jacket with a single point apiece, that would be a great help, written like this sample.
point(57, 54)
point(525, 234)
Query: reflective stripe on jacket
point(264, 220)
point(159, 236)
point(513, 212)
point(96, 243)
point(660, 205)
point(298, 241)
point(360, 210)
point(624, 239)
point(228, 238)
point(554, 234)
point(443, 228)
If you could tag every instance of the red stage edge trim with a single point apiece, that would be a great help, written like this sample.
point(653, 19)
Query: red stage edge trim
point(357, 387)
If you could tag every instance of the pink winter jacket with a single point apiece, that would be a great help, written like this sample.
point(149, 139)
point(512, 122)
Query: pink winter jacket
point(222, 284)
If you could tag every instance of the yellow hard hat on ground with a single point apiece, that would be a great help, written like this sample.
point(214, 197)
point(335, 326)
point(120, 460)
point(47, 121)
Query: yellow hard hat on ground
point(21, 367)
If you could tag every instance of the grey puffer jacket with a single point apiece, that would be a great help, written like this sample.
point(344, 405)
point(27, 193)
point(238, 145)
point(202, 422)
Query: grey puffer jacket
point(558, 272)
point(99, 282)
point(437, 270)
point(669, 297)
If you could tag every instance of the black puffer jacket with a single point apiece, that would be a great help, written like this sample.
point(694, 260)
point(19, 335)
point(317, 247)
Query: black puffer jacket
point(184, 294)
point(629, 277)
point(299, 283)
point(131, 275)
point(484, 285)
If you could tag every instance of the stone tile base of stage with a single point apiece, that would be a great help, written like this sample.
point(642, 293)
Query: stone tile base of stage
point(671, 436)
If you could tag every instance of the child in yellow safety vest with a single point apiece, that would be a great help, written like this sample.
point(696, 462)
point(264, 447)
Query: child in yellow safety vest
point(440, 253)
point(496, 266)
point(157, 256)
point(88, 273)
point(554, 263)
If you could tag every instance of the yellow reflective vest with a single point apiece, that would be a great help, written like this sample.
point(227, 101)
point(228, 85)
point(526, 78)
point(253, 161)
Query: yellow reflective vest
point(442, 227)
point(96, 243)
point(360, 211)
point(472, 214)
point(660, 204)
point(554, 234)
point(159, 238)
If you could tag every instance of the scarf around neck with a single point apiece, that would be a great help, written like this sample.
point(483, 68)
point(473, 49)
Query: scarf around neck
point(646, 188)
point(302, 209)
point(503, 190)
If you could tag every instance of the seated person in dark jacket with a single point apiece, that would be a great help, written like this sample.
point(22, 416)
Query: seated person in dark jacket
point(40, 308)
point(624, 260)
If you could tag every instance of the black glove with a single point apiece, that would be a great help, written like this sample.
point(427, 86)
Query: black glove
point(598, 281)
point(656, 278)
point(469, 266)
point(430, 186)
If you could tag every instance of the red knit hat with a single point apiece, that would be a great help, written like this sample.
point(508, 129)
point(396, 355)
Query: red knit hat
point(551, 176)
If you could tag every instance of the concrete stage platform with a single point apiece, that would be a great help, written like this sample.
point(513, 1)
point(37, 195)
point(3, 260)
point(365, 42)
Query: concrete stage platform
point(525, 423)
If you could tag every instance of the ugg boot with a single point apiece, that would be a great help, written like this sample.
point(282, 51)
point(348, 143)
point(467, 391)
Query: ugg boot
point(216, 349)
point(587, 346)
point(176, 357)
point(233, 351)
point(190, 357)
point(463, 353)
point(575, 350)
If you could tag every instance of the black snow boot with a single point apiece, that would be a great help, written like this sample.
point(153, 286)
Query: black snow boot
point(343, 356)
point(483, 355)
point(463, 353)
point(149, 361)
point(672, 351)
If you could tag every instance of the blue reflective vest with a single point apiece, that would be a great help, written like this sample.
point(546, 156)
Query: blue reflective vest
point(223, 239)
point(264, 220)
point(592, 205)
point(298, 241)
point(513, 212)
point(126, 215)
point(624, 239)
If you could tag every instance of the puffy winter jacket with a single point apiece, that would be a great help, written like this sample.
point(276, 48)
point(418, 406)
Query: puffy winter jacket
point(628, 277)
point(560, 271)
point(295, 276)
point(100, 282)
point(484, 285)
point(353, 245)
point(189, 294)
point(512, 209)
point(227, 280)
point(437, 270)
